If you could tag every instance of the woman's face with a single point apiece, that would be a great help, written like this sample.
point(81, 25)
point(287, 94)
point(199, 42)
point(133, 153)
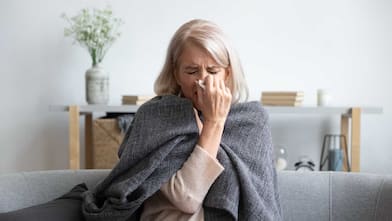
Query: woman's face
point(195, 64)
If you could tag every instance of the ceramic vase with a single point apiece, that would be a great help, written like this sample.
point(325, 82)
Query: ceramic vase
point(97, 85)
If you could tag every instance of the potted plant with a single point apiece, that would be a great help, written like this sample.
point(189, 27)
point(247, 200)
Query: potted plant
point(96, 30)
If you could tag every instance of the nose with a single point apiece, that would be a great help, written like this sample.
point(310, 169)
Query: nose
point(203, 74)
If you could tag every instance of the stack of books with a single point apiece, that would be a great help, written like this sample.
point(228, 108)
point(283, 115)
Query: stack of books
point(282, 98)
point(135, 99)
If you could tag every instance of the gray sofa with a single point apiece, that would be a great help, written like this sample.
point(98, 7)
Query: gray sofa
point(304, 195)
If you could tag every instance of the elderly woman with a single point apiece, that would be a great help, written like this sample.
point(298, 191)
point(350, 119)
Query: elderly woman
point(197, 151)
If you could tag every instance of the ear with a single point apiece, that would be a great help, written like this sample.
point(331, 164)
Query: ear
point(227, 74)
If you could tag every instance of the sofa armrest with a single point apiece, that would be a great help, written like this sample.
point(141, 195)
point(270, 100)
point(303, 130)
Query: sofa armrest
point(24, 189)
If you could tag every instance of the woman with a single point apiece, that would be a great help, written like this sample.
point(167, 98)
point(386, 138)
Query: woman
point(196, 151)
point(180, 166)
point(198, 52)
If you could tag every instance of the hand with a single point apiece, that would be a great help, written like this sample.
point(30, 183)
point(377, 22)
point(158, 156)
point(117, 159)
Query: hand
point(214, 101)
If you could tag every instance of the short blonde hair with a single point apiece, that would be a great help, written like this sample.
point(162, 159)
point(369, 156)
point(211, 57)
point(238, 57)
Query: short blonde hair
point(210, 37)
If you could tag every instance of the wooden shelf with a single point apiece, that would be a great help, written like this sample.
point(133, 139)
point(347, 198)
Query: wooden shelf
point(83, 109)
point(348, 127)
point(270, 109)
point(319, 110)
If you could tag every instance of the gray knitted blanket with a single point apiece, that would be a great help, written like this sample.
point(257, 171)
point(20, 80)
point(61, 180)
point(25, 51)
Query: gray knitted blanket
point(160, 139)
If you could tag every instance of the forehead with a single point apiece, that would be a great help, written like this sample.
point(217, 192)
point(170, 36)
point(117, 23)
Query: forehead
point(193, 55)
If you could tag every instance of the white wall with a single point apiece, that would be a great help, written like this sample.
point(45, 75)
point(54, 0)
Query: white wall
point(344, 46)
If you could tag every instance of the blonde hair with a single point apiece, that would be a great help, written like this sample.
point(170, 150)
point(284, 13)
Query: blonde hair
point(210, 37)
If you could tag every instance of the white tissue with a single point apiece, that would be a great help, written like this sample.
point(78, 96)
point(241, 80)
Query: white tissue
point(201, 84)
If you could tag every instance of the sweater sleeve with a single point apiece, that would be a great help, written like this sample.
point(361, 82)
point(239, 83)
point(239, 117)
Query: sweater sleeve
point(187, 188)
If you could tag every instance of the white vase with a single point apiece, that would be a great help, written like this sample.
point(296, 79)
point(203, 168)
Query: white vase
point(97, 85)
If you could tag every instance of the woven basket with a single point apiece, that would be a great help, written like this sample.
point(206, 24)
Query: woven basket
point(107, 138)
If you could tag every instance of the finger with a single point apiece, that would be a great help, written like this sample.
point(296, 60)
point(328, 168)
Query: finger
point(209, 81)
point(199, 94)
point(229, 95)
point(227, 90)
point(222, 85)
point(216, 82)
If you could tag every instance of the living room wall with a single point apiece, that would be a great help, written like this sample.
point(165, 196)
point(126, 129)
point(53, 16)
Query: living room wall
point(343, 46)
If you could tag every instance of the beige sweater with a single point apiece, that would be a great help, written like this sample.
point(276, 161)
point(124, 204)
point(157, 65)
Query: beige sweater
point(181, 198)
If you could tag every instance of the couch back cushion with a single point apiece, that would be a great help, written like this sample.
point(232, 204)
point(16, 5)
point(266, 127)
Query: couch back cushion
point(335, 196)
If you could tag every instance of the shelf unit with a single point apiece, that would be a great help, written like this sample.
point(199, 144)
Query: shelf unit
point(349, 125)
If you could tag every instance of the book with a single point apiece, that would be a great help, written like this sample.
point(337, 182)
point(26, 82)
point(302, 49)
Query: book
point(282, 93)
point(296, 104)
point(124, 102)
point(285, 98)
point(135, 99)
point(281, 103)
